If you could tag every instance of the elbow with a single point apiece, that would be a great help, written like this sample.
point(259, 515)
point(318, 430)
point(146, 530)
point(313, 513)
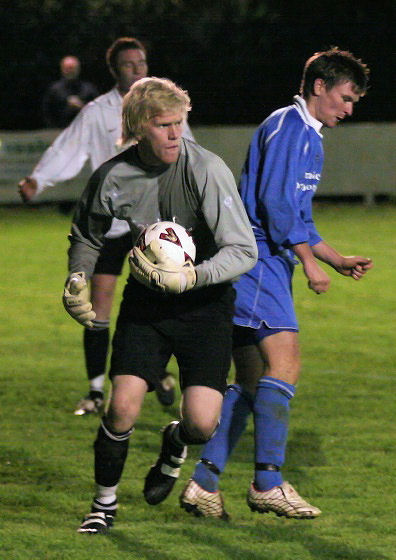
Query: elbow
point(252, 257)
point(254, 251)
point(253, 260)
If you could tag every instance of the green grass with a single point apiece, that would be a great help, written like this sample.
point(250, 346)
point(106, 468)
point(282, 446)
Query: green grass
point(341, 453)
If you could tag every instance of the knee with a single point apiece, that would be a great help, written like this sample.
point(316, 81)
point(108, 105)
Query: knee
point(289, 373)
point(199, 433)
point(121, 415)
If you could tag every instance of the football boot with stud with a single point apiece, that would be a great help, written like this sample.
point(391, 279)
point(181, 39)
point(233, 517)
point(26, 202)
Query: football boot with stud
point(93, 403)
point(165, 390)
point(96, 523)
point(198, 501)
point(164, 473)
point(283, 500)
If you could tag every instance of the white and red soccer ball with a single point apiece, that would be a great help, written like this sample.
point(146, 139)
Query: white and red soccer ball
point(174, 240)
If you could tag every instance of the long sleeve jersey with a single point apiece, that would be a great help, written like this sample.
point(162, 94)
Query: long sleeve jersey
point(280, 177)
point(198, 191)
point(90, 138)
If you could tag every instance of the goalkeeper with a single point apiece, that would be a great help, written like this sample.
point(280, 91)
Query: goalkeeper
point(166, 309)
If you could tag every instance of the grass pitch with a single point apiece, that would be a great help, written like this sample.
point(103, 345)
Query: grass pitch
point(341, 452)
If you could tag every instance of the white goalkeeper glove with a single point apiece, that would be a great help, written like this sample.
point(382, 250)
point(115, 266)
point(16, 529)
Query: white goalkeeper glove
point(76, 299)
point(157, 271)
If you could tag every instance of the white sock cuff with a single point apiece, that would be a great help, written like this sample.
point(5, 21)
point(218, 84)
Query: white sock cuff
point(116, 437)
point(99, 325)
point(106, 495)
point(96, 384)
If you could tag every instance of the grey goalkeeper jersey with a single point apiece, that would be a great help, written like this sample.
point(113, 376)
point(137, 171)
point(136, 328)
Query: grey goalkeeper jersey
point(198, 192)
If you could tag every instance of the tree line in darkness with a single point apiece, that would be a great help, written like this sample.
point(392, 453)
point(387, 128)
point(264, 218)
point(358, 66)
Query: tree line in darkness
point(239, 59)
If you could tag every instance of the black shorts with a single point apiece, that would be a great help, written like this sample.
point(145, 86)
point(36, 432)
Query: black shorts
point(196, 327)
point(112, 254)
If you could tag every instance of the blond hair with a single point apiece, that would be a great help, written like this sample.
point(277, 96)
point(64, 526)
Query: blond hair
point(147, 98)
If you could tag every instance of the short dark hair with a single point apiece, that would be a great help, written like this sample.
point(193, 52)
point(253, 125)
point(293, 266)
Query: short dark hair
point(334, 66)
point(121, 44)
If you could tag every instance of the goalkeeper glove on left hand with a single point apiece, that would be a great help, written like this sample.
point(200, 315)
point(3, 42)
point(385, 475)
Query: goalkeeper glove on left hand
point(76, 299)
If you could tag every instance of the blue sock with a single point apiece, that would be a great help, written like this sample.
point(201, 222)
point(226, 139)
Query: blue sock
point(237, 406)
point(271, 422)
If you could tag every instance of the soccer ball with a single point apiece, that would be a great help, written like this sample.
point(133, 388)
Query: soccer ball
point(174, 240)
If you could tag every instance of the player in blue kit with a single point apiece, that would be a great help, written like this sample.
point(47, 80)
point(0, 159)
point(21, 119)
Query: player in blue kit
point(280, 177)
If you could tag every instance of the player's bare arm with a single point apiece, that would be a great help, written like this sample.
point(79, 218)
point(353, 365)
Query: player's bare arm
point(27, 188)
point(318, 280)
point(353, 266)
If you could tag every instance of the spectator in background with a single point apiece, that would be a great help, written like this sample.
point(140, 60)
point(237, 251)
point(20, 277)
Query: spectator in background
point(93, 137)
point(67, 96)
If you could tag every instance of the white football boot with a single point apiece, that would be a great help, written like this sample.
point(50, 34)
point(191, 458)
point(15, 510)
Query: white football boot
point(282, 500)
point(194, 499)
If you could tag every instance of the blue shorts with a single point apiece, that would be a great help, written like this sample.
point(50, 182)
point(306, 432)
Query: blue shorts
point(245, 336)
point(264, 295)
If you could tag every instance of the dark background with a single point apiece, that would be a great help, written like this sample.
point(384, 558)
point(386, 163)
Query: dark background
point(239, 59)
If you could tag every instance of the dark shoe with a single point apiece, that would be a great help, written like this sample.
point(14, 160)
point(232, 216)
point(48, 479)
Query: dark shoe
point(165, 390)
point(163, 475)
point(91, 404)
point(96, 523)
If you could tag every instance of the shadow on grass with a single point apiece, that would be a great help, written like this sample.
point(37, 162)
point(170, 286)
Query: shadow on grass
point(304, 449)
point(256, 542)
point(36, 479)
point(23, 468)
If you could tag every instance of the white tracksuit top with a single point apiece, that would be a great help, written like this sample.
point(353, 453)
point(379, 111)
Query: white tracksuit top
point(91, 137)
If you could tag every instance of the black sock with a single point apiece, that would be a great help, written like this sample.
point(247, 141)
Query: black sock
point(96, 345)
point(111, 450)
